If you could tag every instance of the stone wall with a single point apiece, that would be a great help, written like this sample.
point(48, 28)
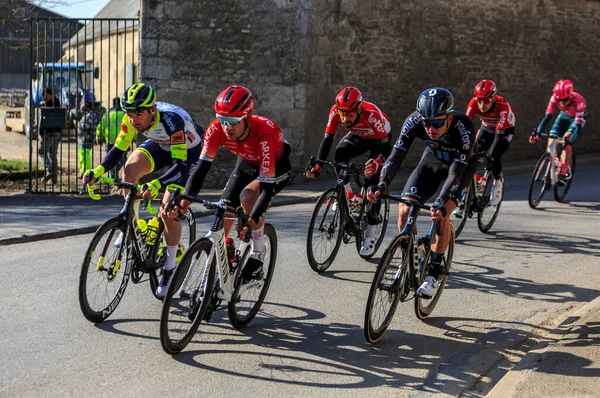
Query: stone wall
point(296, 55)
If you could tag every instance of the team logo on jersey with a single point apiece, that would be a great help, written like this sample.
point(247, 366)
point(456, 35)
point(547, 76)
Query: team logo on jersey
point(178, 138)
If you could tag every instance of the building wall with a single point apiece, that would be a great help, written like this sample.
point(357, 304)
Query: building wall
point(296, 55)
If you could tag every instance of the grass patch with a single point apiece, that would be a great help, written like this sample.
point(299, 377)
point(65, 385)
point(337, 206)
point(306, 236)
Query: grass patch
point(13, 165)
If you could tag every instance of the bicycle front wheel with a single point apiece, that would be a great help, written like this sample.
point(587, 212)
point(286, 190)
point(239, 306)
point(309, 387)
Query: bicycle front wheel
point(325, 231)
point(388, 283)
point(424, 306)
point(188, 297)
point(105, 271)
point(248, 297)
point(540, 180)
point(462, 212)
point(487, 216)
point(561, 189)
point(384, 215)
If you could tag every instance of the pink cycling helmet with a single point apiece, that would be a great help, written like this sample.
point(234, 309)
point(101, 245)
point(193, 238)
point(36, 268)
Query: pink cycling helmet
point(563, 89)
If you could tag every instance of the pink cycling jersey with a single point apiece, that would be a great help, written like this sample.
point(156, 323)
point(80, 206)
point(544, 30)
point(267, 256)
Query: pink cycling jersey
point(575, 109)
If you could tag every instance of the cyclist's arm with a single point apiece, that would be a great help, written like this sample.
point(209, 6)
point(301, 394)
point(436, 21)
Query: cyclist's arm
point(122, 144)
point(458, 167)
point(266, 177)
point(407, 135)
point(544, 123)
point(330, 130)
point(207, 156)
point(472, 108)
point(196, 179)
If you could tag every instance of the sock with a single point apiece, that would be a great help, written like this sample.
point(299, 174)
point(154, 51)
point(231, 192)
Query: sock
point(171, 254)
point(258, 243)
point(435, 262)
point(370, 231)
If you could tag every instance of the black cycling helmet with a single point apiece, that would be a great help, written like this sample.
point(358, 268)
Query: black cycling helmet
point(434, 102)
point(138, 96)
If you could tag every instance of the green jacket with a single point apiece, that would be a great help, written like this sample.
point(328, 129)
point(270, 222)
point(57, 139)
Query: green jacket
point(109, 126)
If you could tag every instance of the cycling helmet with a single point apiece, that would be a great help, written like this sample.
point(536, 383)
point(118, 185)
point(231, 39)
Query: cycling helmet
point(349, 99)
point(138, 96)
point(563, 89)
point(485, 89)
point(234, 101)
point(434, 102)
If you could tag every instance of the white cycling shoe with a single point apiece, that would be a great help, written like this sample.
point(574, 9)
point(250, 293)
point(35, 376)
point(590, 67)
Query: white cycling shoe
point(118, 241)
point(496, 192)
point(429, 287)
point(368, 247)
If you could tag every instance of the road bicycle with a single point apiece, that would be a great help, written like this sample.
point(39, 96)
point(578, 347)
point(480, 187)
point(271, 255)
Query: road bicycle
point(108, 266)
point(546, 174)
point(475, 199)
point(402, 270)
point(205, 278)
point(333, 220)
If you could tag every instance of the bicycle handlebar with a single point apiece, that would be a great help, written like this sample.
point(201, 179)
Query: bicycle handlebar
point(120, 184)
point(340, 165)
point(413, 203)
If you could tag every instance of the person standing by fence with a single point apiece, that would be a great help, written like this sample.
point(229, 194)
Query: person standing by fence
point(86, 128)
point(50, 140)
point(108, 130)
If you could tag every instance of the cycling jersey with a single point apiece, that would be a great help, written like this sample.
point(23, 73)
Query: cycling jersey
point(262, 149)
point(500, 116)
point(173, 130)
point(575, 109)
point(455, 148)
point(571, 117)
point(372, 124)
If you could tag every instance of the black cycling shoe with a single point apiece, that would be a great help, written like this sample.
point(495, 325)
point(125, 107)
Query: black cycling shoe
point(253, 268)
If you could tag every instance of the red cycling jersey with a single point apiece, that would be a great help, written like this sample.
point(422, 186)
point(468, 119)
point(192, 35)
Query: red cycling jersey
point(500, 117)
point(263, 146)
point(575, 109)
point(372, 124)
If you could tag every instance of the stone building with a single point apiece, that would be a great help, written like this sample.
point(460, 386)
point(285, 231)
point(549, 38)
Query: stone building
point(296, 55)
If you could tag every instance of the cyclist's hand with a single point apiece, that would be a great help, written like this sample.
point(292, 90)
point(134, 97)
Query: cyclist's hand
point(372, 166)
point(438, 211)
point(90, 176)
point(150, 190)
point(534, 137)
point(250, 226)
point(312, 172)
point(374, 192)
point(179, 210)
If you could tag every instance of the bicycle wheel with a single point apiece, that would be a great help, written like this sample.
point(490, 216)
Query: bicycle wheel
point(384, 215)
point(423, 306)
point(388, 282)
point(104, 274)
point(560, 191)
point(185, 304)
point(540, 181)
point(325, 231)
point(487, 216)
point(247, 298)
point(462, 212)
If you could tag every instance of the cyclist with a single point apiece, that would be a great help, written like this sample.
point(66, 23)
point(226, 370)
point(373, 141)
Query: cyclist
point(174, 140)
point(447, 161)
point(568, 124)
point(262, 152)
point(368, 130)
point(496, 131)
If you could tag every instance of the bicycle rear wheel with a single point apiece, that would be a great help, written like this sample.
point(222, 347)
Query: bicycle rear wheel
point(104, 273)
point(384, 215)
point(540, 181)
point(423, 306)
point(462, 212)
point(247, 298)
point(388, 283)
point(188, 297)
point(325, 231)
point(560, 191)
point(487, 216)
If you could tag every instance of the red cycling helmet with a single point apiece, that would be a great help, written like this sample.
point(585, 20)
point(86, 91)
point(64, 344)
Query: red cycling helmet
point(563, 89)
point(234, 101)
point(485, 89)
point(349, 99)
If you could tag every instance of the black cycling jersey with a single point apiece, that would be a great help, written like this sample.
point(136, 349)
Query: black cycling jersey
point(455, 148)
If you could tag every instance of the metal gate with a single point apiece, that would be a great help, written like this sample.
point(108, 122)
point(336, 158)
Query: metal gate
point(79, 68)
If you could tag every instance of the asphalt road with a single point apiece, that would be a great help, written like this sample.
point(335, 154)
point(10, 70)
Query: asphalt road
point(507, 289)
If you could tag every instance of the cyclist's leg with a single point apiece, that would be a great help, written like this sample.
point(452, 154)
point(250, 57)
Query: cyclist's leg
point(570, 137)
point(347, 149)
point(242, 175)
point(378, 148)
point(560, 126)
point(499, 150)
point(140, 163)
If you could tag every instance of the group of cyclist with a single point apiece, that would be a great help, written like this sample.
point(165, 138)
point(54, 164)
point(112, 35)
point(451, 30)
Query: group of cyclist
point(263, 166)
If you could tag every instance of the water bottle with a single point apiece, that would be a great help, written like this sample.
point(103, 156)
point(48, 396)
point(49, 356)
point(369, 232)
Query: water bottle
point(152, 230)
point(143, 228)
point(230, 245)
point(358, 201)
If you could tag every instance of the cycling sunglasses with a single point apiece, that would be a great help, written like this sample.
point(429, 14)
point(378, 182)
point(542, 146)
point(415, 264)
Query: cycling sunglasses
point(435, 123)
point(230, 121)
point(484, 100)
point(350, 114)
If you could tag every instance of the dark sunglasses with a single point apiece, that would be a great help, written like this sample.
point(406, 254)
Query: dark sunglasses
point(435, 123)
point(564, 99)
point(484, 100)
point(350, 114)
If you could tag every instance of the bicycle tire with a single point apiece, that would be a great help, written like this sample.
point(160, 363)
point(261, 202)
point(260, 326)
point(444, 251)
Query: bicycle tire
point(465, 206)
point(93, 270)
point(561, 191)
point(184, 304)
point(489, 213)
point(540, 175)
point(389, 279)
point(327, 228)
point(244, 304)
point(382, 227)
point(424, 307)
